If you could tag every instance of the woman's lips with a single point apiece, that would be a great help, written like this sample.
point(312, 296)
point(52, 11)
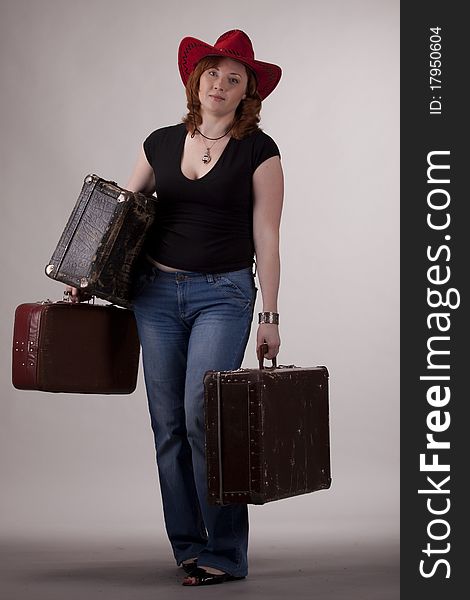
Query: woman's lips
point(217, 98)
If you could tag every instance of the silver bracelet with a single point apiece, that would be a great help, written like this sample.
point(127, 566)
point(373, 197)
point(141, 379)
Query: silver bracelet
point(268, 317)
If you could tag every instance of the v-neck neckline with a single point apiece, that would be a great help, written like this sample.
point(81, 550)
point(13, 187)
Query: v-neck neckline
point(183, 141)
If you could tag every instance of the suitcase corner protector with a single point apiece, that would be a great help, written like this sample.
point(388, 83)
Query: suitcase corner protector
point(209, 376)
point(49, 269)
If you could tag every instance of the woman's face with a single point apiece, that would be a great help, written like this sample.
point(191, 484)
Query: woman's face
point(221, 88)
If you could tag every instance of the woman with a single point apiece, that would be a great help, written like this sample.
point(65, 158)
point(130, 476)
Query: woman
point(219, 184)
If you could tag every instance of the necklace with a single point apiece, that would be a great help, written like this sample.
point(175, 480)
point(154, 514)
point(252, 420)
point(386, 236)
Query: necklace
point(206, 157)
point(209, 138)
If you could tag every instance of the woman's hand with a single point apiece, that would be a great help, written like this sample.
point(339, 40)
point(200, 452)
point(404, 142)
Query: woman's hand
point(74, 293)
point(268, 333)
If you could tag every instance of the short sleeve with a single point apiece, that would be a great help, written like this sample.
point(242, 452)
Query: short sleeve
point(149, 147)
point(264, 147)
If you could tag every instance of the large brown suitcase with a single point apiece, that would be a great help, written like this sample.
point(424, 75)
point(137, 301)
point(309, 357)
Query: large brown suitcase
point(102, 240)
point(75, 348)
point(267, 433)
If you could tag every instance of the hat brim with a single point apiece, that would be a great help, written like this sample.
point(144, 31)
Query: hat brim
point(192, 50)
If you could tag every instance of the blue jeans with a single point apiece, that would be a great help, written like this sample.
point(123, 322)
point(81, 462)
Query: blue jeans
point(190, 323)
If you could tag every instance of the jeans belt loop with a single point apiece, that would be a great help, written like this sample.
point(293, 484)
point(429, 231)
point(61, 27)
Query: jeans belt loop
point(210, 277)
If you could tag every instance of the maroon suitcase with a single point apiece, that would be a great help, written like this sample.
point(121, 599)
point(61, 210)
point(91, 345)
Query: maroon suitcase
point(75, 348)
point(267, 433)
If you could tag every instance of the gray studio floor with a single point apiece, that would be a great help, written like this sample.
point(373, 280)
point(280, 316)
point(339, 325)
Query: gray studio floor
point(86, 568)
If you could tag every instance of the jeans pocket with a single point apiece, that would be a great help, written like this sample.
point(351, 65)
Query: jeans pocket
point(239, 286)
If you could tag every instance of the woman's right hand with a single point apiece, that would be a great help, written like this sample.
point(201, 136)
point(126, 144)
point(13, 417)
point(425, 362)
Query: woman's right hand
point(73, 293)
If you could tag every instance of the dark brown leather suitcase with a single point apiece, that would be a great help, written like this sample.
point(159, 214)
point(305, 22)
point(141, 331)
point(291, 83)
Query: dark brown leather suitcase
point(102, 240)
point(267, 433)
point(75, 348)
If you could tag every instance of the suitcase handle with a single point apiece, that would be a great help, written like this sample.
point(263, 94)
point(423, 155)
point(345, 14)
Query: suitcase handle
point(263, 349)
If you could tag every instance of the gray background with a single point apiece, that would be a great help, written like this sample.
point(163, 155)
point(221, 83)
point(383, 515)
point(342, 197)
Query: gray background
point(83, 83)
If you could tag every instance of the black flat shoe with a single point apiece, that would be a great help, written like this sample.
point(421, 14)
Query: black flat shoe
point(201, 577)
point(189, 566)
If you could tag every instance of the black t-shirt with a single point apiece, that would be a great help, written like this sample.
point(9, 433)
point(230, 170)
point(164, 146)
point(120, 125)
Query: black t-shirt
point(205, 224)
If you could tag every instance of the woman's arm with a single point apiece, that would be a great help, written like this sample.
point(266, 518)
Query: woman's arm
point(268, 192)
point(142, 178)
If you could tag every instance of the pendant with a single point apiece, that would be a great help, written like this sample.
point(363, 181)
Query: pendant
point(206, 158)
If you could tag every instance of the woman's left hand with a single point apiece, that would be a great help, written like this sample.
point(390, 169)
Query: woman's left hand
point(268, 333)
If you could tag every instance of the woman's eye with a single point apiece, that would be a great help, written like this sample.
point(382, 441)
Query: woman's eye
point(234, 80)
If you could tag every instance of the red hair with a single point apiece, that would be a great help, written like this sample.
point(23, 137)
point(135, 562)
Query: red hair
point(247, 112)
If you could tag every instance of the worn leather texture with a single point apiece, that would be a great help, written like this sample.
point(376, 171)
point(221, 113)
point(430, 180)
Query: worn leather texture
point(267, 433)
point(102, 240)
point(75, 348)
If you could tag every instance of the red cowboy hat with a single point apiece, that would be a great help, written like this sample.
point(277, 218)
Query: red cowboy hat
point(233, 44)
